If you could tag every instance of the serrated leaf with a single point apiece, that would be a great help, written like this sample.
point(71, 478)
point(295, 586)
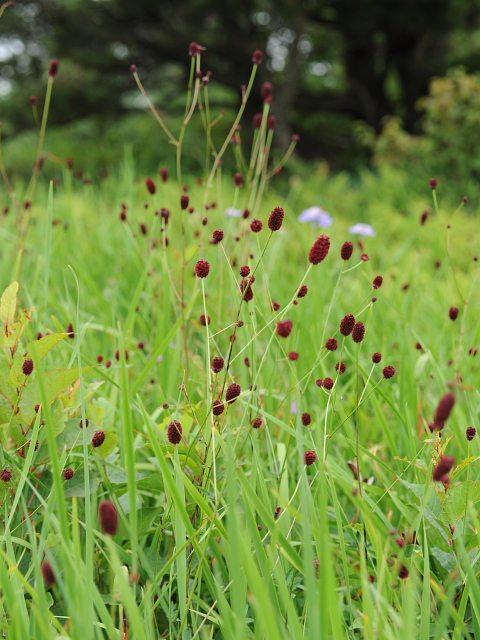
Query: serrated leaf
point(8, 305)
point(447, 560)
point(459, 499)
point(46, 344)
point(55, 382)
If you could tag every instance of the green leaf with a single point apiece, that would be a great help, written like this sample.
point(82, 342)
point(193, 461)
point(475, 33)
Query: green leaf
point(5, 388)
point(8, 305)
point(55, 381)
point(447, 560)
point(459, 499)
point(76, 486)
point(46, 344)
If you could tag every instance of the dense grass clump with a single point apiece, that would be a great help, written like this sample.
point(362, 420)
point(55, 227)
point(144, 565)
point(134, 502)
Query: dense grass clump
point(193, 447)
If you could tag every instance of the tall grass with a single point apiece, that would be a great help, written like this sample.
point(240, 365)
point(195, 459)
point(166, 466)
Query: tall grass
point(229, 534)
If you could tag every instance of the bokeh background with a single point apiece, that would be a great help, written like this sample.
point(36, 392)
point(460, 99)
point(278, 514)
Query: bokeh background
point(364, 83)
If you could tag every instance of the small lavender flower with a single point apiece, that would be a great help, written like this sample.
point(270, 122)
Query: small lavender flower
point(317, 216)
point(231, 212)
point(363, 229)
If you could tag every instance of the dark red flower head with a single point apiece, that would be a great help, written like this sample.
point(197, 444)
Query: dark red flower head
point(256, 225)
point(266, 90)
point(233, 391)
point(27, 366)
point(275, 220)
point(332, 344)
point(257, 121)
point(245, 271)
point(217, 364)
point(184, 201)
point(238, 180)
point(341, 367)
point(403, 572)
point(310, 457)
point(347, 324)
point(302, 292)
point(444, 465)
point(433, 183)
point(202, 268)
point(48, 574)
point(257, 423)
point(133, 68)
point(377, 357)
point(98, 439)
point(388, 372)
point(164, 174)
point(257, 57)
point(195, 49)
point(108, 517)
point(275, 305)
point(377, 282)
point(453, 313)
point(471, 432)
point(296, 137)
point(218, 408)
point(293, 355)
point(205, 320)
point(328, 383)
point(53, 68)
point(423, 217)
point(174, 433)
point(306, 419)
point(218, 236)
point(68, 474)
point(346, 250)
point(284, 328)
point(151, 186)
point(6, 475)
point(443, 411)
point(365, 257)
point(358, 333)
point(320, 250)
point(272, 122)
point(70, 332)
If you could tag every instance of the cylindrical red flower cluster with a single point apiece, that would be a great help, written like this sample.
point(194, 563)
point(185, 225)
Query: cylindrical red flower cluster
point(272, 123)
point(195, 49)
point(341, 367)
point(218, 407)
point(184, 202)
point(257, 121)
point(453, 313)
point(27, 366)
point(302, 292)
point(346, 250)
point(433, 183)
point(68, 474)
point(204, 320)
point(403, 572)
point(257, 57)
point(202, 268)
point(238, 180)
point(471, 432)
point(48, 574)
point(358, 333)
point(377, 282)
point(310, 457)
point(445, 464)
point(218, 364)
point(151, 186)
point(164, 174)
point(256, 225)
point(233, 391)
point(174, 433)
point(388, 372)
point(443, 411)
point(266, 90)
point(245, 271)
point(275, 305)
point(306, 419)
point(293, 355)
point(98, 439)
point(218, 236)
point(328, 383)
point(275, 220)
point(284, 328)
point(6, 475)
point(53, 68)
point(347, 324)
point(332, 344)
point(377, 357)
point(246, 288)
point(320, 250)
point(108, 517)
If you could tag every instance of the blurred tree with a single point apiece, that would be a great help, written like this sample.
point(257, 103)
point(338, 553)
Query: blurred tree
point(333, 62)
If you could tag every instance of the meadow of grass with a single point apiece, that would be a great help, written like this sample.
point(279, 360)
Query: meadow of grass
point(229, 534)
